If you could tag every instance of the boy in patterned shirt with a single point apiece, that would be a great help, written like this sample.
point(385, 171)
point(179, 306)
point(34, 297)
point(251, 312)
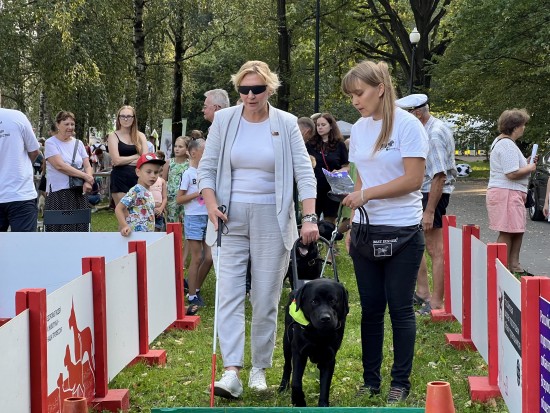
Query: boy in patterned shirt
point(136, 210)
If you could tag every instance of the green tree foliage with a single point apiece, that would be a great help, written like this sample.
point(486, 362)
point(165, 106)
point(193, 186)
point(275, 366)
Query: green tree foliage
point(499, 58)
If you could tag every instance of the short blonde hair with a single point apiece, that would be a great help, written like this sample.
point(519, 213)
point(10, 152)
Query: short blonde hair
point(261, 69)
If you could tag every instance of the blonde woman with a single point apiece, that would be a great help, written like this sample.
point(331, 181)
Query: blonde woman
point(126, 144)
point(253, 155)
point(389, 147)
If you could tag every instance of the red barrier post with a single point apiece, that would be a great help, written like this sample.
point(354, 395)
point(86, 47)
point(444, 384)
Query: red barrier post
point(464, 341)
point(34, 299)
point(483, 388)
point(184, 322)
point(446, 314)
point(151, 357)
point(115, 399)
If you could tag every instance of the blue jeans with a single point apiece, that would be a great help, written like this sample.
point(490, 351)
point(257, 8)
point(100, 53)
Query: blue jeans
point(21, 216)
point(389, 282)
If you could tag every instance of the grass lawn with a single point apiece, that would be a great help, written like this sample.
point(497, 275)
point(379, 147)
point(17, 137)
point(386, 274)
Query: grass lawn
point(185, 379)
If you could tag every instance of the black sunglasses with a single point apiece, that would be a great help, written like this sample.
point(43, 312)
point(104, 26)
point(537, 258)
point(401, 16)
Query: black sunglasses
point(256, 90)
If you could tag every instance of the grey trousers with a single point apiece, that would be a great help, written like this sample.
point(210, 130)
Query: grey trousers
point(252, 232)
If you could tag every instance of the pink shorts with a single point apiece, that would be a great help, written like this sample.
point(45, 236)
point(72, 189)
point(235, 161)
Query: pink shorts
point(506, 209)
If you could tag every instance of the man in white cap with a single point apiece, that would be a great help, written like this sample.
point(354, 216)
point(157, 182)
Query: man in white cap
point(436, 189)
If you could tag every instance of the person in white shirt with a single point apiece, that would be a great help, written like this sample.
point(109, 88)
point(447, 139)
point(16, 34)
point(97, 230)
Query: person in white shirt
point(389, 147)
point(507, 189)
point(19, 148)
point(253, 156)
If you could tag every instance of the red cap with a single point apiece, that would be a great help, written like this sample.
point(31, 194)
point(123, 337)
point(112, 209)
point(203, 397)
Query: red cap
point(149, 158)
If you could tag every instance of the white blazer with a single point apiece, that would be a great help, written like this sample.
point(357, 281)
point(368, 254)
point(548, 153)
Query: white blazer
point(292, 163)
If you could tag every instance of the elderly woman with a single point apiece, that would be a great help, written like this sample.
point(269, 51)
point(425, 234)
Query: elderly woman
point(507, 189)
point(253, 154)
point(126, 145)
point(66, 157)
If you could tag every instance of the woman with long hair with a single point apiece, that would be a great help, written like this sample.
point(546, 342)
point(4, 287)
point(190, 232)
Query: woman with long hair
point(389, 147)
point(330, 153)
point(126, 144)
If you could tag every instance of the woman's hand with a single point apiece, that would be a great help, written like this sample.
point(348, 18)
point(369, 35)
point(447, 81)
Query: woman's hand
point(356, 199)
point(309, 232)
point(125, 231)
point(214, 214)
point(89, 179)
point(86, 188)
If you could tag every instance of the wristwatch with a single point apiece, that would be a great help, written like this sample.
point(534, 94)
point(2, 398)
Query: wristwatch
point(310, 218)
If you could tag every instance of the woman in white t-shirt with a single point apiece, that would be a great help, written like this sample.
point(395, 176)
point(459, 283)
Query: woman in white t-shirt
point(507, 189)
point(389, 148)
point(59, 153)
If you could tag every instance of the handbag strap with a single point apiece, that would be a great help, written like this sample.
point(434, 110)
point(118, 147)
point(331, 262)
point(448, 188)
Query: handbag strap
point(363, 230)
point(324, 160)
point(74, 151)
point(499, 139)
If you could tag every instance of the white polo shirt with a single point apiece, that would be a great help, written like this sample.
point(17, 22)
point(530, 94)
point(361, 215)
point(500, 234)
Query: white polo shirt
point(17, 139)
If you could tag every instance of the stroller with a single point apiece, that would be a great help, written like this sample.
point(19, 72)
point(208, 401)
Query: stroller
point(308, 262)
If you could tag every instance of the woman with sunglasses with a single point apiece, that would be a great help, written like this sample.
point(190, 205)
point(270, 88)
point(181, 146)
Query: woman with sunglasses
point(126, 145)
point(253, 155)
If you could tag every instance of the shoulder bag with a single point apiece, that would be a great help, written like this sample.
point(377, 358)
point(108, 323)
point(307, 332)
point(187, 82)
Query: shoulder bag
point(75, 182)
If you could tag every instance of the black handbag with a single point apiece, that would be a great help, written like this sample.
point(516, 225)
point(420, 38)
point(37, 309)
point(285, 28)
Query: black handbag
point(380, 242)
point(75, 182)
point(529, 200)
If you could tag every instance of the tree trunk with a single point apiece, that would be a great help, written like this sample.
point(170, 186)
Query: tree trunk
point(177, 89)
point(41, 113)
point(283, 100)
point(140, 66)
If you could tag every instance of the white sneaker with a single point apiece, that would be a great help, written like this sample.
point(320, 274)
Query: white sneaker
point(229, 386)
point(256, 381)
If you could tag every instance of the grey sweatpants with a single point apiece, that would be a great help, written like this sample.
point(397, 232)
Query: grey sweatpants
point(252, 232)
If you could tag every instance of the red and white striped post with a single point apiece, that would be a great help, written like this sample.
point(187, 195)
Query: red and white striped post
point(184, 322)
point(463, 340)
point(105, 399)
point(446, 314)
point(151, 357)
point(483, 388)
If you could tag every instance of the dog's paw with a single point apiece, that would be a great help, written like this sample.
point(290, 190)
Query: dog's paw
point(298, 397)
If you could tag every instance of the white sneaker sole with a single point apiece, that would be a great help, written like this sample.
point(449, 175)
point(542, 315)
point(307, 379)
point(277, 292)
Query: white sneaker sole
point(226, 394)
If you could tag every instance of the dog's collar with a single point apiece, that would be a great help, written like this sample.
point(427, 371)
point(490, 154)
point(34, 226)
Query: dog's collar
point(297, 315)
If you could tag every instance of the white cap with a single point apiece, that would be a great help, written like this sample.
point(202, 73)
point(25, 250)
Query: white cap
point(411, 102)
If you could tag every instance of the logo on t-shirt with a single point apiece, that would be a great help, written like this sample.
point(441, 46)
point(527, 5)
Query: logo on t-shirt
point(389, 145)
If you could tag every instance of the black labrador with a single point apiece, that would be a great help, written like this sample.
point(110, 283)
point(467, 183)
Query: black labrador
point(314, 328)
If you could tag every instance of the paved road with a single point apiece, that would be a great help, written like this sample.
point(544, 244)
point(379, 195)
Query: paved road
point(468, 204)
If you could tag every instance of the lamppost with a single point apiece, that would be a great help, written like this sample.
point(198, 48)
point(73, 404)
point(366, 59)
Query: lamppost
point(316, 64)
point(414, 37)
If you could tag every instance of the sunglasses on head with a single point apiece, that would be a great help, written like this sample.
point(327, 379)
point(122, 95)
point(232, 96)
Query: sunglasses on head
point(256, 90)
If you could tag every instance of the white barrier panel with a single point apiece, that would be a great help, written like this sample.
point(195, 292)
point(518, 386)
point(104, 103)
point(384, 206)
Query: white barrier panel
point(161, 289)
point(15, 386)
point(509, 338)
point(480, 329)
point(70, 330)
point(52, 259)
point(122, 313)
point(455, 252)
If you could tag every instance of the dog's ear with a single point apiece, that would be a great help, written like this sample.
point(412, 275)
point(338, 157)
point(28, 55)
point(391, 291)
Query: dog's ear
point(300, 296)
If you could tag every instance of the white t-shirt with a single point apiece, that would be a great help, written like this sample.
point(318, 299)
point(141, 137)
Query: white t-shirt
point(408, 140)
point(16, 141)
point(189, 184)
point(58, 180)
point(505, 158)
point(253, 164)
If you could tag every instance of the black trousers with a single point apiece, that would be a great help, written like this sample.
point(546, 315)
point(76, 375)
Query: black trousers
point(388, 283)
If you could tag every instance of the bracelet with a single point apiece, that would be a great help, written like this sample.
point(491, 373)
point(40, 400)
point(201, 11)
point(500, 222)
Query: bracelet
point(310, 218)
point(362, 199)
